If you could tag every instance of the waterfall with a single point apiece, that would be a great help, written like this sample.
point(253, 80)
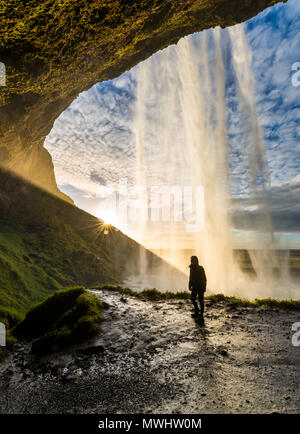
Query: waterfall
point(181, 140)
point(139, 127)
point(265, 261)
point(206, 143)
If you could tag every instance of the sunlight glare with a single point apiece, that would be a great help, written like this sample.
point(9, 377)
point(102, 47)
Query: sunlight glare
point(109, 218)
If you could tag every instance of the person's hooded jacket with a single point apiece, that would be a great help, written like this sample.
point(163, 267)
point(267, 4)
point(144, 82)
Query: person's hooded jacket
point(197, 278)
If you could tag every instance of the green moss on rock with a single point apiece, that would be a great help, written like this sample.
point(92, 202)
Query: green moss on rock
point(9, 317)
point(43, 317)
point(65, 317)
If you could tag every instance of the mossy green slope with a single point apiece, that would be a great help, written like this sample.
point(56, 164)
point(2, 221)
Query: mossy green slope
point(47, 244)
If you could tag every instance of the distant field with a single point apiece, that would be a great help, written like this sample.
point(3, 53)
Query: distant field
point(286, 258)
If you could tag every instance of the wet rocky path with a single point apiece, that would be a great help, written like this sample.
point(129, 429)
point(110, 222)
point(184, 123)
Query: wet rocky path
point(153, 357)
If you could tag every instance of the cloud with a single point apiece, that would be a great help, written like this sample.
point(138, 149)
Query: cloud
point(94, 176)
point(91, 142)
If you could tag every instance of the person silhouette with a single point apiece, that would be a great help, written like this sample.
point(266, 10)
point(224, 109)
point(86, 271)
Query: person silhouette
point(197, 285)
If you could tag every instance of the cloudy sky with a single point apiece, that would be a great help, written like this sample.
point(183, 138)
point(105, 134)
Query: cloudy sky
point(93, 142)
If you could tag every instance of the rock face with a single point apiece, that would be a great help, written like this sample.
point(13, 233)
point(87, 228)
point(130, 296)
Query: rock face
point(53, 50)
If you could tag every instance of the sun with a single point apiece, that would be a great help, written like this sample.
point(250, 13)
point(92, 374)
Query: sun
point(108, 219)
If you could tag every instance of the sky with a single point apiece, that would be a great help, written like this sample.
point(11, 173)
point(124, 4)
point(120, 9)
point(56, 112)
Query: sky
point(92, 143)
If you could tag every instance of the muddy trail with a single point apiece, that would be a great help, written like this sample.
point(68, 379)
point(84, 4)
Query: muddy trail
point(153, 357)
